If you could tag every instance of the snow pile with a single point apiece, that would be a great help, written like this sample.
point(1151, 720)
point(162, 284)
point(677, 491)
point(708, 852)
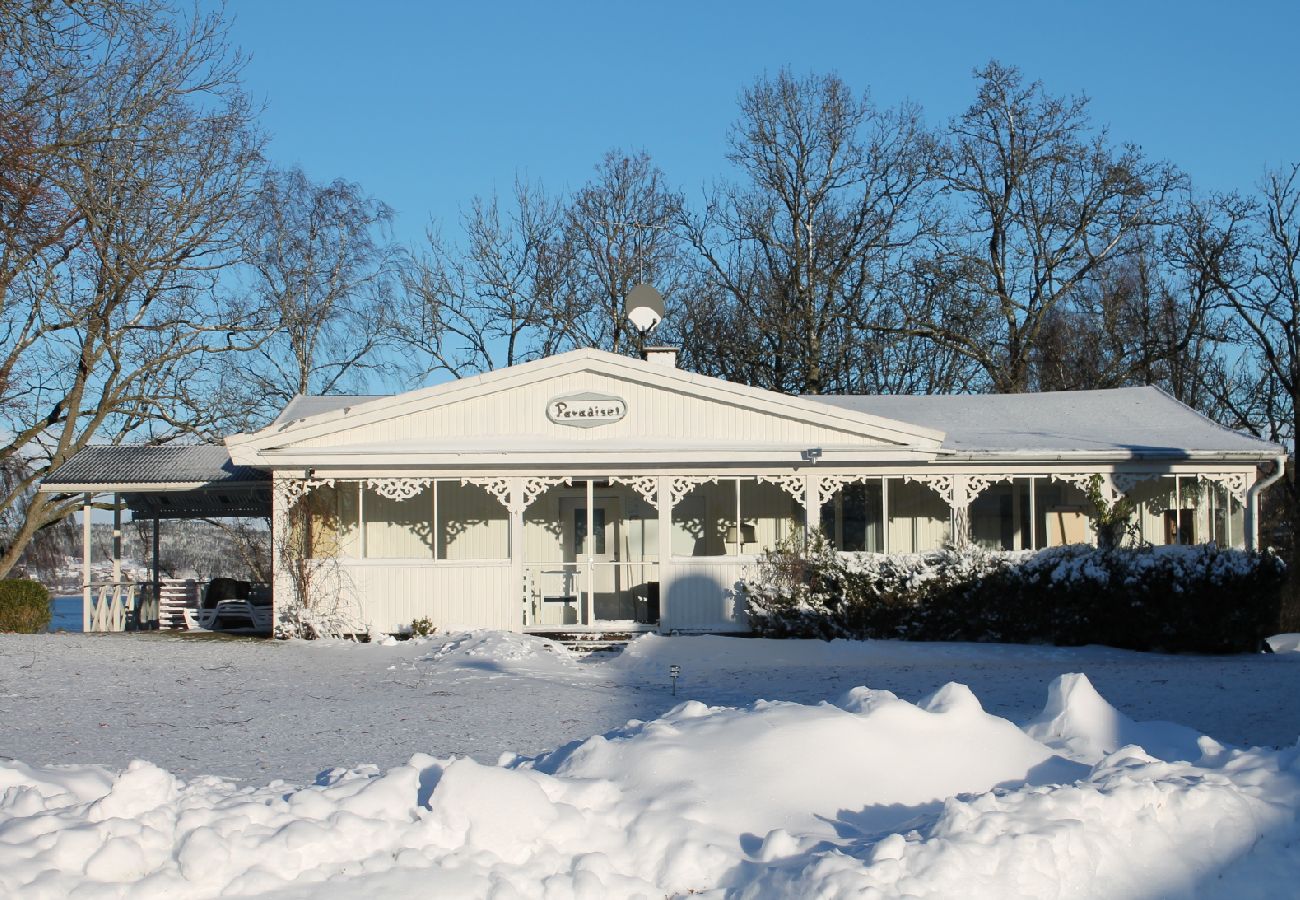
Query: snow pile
point(503, 651)
point(1078, 722)
point(868, 796)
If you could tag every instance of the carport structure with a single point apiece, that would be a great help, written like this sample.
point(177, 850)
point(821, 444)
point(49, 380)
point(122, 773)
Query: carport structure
point(194, 481)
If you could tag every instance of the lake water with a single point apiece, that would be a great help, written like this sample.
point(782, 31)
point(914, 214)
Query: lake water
point(65, 613)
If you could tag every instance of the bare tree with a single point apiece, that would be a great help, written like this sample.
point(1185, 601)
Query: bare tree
point(620, 231)
point(1037, 201)
point(1132, 320)
point(802, 255)
point(323, 268)
point(127, 149)
point(499, 299)
point(1246, 251)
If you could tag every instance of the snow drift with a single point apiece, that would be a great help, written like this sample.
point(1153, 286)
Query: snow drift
point(866, 796)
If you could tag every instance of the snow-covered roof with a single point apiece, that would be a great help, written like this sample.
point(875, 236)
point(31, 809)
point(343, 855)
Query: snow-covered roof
point(1133, 421)
point(1137, 421)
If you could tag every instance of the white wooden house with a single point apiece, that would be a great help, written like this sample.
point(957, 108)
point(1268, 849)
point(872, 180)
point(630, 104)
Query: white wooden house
point(595, 491)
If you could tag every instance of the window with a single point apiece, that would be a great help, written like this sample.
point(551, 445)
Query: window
point(445, 520)
point(471, 523)
point(853, 520)
point(331, 520)
point(398, 529)
point(734, 517)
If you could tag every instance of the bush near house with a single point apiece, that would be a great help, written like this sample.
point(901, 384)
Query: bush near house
point(1198, 598)
point(24, 606)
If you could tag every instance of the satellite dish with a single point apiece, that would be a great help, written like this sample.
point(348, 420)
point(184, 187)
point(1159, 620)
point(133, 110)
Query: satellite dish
point(644, 307)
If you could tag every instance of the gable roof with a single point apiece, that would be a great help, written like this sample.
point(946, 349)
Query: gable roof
point(319, 419)
point(1136, 421)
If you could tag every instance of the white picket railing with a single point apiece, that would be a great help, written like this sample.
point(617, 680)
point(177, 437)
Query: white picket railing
point(123, 605)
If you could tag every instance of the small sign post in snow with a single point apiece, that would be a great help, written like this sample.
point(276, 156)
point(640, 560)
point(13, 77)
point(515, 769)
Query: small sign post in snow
point(673, 672)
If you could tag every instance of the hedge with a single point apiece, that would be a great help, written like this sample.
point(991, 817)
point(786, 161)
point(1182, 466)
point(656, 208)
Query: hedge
point(1197, 598)
point(24, 606)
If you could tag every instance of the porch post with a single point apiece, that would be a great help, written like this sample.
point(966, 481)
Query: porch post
point(960, 511)
point(589, 542)
point(1033, 513)
point(665, 505)
point(280, 587)
point(1178, 511)
point(1017, 522)
point(85, 562)
point(884, 512)
point(811, 519)
point(516, 510)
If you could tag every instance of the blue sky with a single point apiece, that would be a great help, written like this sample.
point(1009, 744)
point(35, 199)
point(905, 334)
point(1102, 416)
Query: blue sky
point(428, 104)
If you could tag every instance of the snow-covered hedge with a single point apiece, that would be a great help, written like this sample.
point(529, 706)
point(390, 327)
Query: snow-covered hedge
point(1197, 598)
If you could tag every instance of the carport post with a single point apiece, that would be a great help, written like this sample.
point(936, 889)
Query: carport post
point(117, 540)
point(157, 598)
point(85, 562)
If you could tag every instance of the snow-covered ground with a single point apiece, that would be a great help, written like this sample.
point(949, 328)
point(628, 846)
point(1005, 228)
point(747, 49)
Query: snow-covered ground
point(467, 766)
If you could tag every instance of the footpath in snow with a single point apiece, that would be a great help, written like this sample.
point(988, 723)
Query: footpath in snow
point(859, 792)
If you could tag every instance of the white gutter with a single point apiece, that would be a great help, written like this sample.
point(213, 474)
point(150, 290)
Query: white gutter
point(1252, 502)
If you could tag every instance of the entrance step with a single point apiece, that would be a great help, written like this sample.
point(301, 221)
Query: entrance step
point(589, 641)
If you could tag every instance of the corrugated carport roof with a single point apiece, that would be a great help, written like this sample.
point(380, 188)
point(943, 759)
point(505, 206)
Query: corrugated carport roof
point(173, 481)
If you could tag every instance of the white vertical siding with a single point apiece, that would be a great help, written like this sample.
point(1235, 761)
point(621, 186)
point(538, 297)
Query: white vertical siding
point(699, 595)
point(451, 595)
point(652, 411)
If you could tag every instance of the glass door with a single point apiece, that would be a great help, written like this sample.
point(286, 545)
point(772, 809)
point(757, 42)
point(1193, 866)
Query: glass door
point(591, 545)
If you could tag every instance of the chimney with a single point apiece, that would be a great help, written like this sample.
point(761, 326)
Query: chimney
point(661, 356)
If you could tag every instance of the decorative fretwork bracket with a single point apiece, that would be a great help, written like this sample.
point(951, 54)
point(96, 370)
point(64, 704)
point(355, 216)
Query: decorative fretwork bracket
point(958, 490)
point(1082, 479)
point(1234, 482)
point(497, 487)
point(645, 485)
point(536, 485)
point(945, 485)
point(398, 488)
point(288, 491)
point(978, 484)
point(1125, 482)
point(684, 484)
point(794, 485)
point(825, 487)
